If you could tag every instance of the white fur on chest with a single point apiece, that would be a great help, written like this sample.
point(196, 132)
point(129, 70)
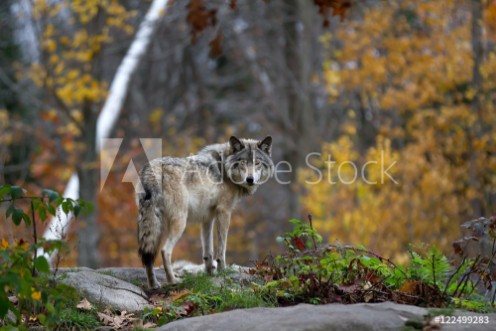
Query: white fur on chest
point(204, 202)
point(200, 206)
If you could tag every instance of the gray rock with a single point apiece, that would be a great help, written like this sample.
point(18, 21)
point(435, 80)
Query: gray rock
point(136, 276)
point(103, 289)
point(332, 317)
point(113, 287)
point(61, 271)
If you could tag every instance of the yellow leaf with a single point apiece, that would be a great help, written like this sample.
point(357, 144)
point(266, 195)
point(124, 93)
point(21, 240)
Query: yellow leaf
point(49, 45)
point(156, 115)
point(64, 40)
point(36, 295)
point(54, 59)
point(49, 30)
point(470, 94)
point(4, 244)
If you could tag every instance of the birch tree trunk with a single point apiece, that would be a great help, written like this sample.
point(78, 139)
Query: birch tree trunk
point(102, 128)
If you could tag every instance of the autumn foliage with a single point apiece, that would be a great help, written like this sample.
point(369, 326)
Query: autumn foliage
point(396, 79)
point(417, 110)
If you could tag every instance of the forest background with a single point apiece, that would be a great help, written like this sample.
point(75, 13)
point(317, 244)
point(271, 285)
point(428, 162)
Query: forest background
point(409, 84)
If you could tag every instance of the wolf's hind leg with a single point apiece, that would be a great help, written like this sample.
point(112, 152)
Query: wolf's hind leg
point(208, 245)
point(150, 233)
point(152, 279)
point(175, 230)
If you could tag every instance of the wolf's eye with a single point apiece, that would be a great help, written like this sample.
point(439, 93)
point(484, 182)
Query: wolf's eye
point(258, 162)
point(242, 162)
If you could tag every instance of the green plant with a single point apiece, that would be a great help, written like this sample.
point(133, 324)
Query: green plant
point(70, 318)
point(200, 295)
point(315, 273)
point(26, 287)
point(312, 272)
point(432, 268)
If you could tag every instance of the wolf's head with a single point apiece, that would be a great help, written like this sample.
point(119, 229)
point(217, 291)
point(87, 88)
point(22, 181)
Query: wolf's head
point(249, 164)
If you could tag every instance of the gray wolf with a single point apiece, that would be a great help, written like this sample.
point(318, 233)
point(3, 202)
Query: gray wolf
point(202, 188)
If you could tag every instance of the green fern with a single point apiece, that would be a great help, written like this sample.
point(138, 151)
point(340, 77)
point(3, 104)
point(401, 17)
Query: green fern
point(431, 268)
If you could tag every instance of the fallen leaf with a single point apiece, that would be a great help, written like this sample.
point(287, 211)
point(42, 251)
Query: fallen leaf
point(189, 308)
point(117, 322)
point(128, 316)
point(368, 295)
point(158, 298)
point(105, 319)
point(149, 325)
point(179, 295)
point(409, 286)
point(84, 305)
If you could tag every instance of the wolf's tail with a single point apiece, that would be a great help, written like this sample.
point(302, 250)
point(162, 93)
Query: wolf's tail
point(150, 215)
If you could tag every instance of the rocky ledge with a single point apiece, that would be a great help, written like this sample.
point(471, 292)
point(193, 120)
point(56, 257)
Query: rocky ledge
point(122, 289)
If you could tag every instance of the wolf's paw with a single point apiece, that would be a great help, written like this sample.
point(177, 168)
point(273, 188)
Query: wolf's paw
point(173, 281)
point(210, 268)
point(210, 265)
point(154, 285)
point(221, 265)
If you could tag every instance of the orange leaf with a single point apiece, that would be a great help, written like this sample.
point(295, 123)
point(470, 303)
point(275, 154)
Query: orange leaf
point(408, 286)
point(179, 295)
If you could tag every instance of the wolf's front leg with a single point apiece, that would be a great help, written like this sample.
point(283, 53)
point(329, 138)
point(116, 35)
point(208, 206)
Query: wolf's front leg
point(223, 219)
point(208, 246)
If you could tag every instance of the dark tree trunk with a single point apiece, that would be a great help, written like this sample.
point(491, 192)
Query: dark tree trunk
point(88, 228)
point(477, 56)
point(298, 55)
point(89, 231)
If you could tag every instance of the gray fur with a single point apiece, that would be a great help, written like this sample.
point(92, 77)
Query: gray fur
point(202, 188)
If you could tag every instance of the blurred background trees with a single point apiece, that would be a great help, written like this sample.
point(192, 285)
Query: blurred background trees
point(408, 82)
point(422, 75)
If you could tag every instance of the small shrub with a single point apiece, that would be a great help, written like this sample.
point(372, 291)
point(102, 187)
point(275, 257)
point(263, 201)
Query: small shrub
point(315, 273)
point(26, 287)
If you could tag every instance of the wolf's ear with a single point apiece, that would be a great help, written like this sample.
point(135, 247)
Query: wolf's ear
point(265, 144)
point(236, 144)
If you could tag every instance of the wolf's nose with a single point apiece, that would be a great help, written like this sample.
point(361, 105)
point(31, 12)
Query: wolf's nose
point(249, 180)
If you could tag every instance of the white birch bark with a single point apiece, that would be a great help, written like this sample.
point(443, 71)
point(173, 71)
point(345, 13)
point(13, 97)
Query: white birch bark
point(111, 110)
